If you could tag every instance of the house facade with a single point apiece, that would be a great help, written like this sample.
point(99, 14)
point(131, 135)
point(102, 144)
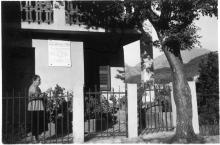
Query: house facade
point(41, 38)
point(26, 46)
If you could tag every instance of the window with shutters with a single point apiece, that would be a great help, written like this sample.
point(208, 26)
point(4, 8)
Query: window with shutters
point(104, 78)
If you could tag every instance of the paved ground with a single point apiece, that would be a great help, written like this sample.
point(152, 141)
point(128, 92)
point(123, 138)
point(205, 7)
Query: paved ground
point(114, 140)
point(154, 138)
point(48, 137)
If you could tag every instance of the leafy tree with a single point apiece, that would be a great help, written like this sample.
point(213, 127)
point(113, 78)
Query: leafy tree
point(208, 90)
point(173, 23)
point(208, 78)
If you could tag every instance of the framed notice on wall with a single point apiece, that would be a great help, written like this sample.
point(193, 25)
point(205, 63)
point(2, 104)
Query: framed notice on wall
point(59, 53)
point(105, 78)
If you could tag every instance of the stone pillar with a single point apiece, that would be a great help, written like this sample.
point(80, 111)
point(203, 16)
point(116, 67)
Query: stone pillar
point(78, 115)
point(195, 120)
point(132, 111)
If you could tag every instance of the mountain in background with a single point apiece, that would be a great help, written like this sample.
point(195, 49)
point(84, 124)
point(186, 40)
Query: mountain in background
point(133, 74)
point(162, 73)
point(191, 69)
point(187, 55)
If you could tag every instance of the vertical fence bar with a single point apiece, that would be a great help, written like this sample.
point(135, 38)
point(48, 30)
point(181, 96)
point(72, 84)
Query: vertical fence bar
point(141, 113)
point(119, 122)
point(113, 116)
point(85, 105)
point(170, 108)
point(162, 108)
point(38, 118)
point(44, 105)
point(19, 110)
point(50, 116)
point(107, 113)
point(126, 104)
point(158, 115)
point(7, 111)
point(145, 108)
point(165, 104)
point(4, 124)
point(155, 114)
point(96, 98)
point(101, 114)
point(89, 112)
point(56, 124)
point(31, 111)
point(158, 104)
point(62, 117)
point(25, 114)
point(93, 120)
point(67, 111)
point(13, 107)
point(150, 111)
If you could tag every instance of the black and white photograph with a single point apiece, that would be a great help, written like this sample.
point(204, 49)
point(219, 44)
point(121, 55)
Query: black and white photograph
point(109, 71)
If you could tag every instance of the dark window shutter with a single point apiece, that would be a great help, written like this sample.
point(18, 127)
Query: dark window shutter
point(104, 78)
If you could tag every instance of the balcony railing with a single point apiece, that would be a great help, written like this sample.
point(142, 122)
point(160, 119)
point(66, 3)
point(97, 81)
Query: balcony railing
point(37, 11)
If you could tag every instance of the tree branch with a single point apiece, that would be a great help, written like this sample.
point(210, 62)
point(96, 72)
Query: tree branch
point(153, 16)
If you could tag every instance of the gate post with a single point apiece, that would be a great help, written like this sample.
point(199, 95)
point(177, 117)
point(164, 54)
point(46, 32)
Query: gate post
point(132, 111)
point(78, 91)
point(78, 115)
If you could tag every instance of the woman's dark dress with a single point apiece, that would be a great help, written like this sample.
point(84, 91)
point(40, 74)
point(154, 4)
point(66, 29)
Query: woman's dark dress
point(37, 110)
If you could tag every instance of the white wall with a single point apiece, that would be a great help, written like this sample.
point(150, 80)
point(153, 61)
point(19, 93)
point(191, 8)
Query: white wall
point(66, 77)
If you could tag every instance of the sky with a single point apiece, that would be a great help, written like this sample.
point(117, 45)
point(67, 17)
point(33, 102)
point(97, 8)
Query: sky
point(208, 32)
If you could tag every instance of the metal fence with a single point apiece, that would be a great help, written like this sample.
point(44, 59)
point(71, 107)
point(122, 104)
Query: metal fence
point(154, 108)
point(18, 124)
point(105, 113)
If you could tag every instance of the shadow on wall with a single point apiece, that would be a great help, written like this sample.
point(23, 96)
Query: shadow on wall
point(18, 63)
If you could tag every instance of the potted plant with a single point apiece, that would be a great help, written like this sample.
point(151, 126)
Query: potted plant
point(59, 108)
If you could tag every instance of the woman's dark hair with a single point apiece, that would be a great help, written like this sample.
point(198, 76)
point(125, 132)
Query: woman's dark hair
point(35, 77)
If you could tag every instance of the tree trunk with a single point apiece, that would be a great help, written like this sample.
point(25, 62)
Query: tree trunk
point(182, 98)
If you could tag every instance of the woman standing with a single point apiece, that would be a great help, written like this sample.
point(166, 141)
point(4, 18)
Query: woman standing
point(36, 108)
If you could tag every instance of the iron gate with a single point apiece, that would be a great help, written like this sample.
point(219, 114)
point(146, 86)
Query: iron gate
point(105, 113)
point(155, 110)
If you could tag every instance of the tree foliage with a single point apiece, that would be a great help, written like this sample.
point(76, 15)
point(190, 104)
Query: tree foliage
point(208, 90)
point(173, 19)
point(208, 78)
